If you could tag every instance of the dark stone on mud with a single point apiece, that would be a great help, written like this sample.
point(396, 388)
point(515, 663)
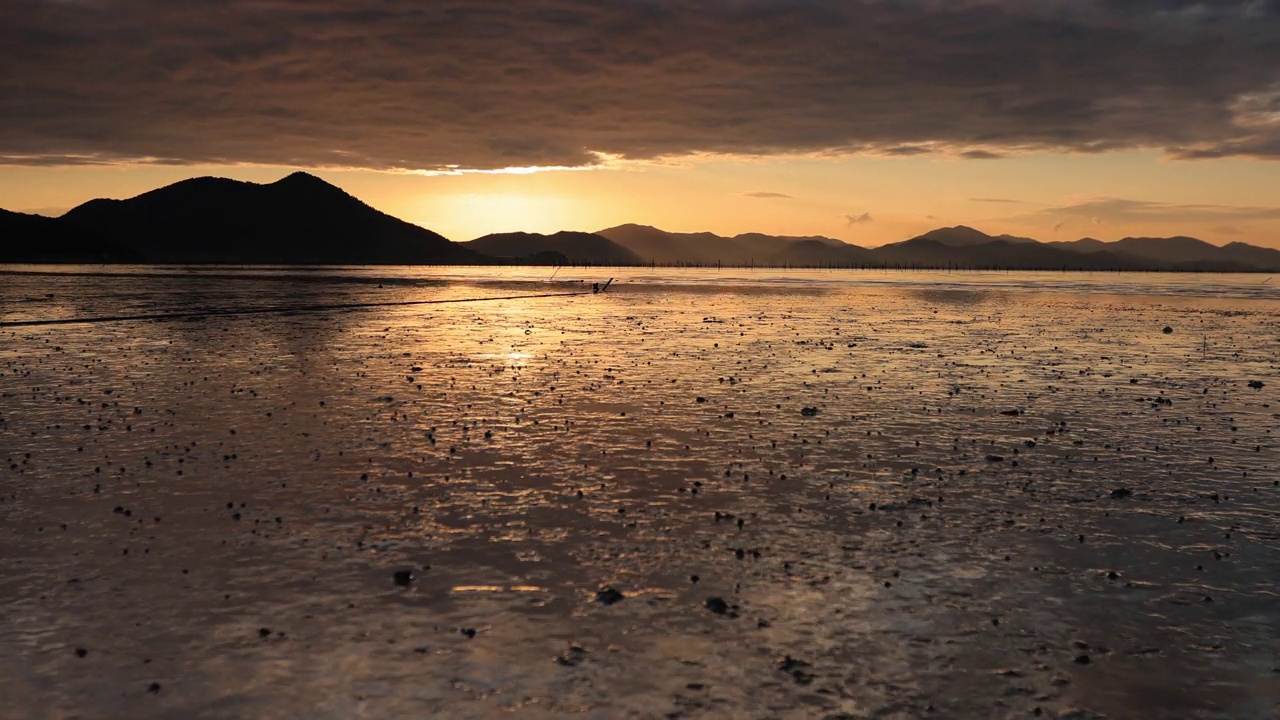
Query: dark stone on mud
point(81, 652)
point(809, 411)
point(1011, 413)
point(264, 633)
point(995, 458)
point(1082, 660)
point(572, 657)
point(153, 688)
point(402, 578)
point(717, 605)
point(1168, 330)
point(795, 668)
point(1121, 493)
point(1257, 384)
point(788, 663)
point(468, 633)
point(700, 399)
point(609, 596)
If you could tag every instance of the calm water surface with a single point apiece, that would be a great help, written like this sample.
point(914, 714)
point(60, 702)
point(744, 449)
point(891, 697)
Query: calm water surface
point(820, 494)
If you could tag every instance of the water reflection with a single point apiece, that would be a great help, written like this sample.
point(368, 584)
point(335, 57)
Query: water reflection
point(897, 510)
point(959, 298)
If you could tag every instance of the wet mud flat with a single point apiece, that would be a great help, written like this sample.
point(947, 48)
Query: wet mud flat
point(678, 499)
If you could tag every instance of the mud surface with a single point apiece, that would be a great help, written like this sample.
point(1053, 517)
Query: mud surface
point(695, 496)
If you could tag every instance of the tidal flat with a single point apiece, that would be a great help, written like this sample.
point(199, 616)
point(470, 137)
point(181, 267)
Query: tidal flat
point(701, 494)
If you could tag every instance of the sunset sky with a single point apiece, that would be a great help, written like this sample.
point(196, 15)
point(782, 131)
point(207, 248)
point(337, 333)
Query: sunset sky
point(866, 120)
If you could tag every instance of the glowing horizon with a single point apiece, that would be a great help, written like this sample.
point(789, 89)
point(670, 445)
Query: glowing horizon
point(864, 200)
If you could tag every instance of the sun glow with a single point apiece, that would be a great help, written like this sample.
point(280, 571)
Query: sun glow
point(602, 161)
point(506, 212)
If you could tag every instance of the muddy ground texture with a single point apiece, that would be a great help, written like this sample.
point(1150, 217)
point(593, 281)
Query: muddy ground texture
point(670, 500)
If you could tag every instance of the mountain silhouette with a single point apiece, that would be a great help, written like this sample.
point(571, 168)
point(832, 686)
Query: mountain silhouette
point(959, 247)
point(997, 253)
point(815, 252)
point(965, 247)
point(1251, 255)
point(574, 247)
point(652, 245)
point(964, 236)
point(299, 219)
point(1182, 253)
point(38, 239)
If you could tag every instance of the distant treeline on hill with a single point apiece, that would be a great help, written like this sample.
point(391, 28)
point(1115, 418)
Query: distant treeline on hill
point(302, 219)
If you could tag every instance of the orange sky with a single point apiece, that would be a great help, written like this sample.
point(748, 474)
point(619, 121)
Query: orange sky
point(867, 200)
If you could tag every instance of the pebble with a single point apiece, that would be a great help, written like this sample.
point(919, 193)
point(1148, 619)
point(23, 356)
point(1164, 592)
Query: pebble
point(609, 596)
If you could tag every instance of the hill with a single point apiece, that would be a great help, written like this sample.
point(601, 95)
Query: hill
point(815, 252)
point(653, 245)
point(958, 247)
point(965, 247)
point(963, 236)
point(1181, 253)
point(575, 247)
point(299, 219)
point(38, 239)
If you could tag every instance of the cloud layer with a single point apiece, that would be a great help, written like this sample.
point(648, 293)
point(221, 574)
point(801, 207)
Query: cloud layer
point(491, 83)
point(1124, 210)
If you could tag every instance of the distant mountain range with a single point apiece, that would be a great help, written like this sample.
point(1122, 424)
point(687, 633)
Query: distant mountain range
point(561, 248)
point(652, 245)
point(302, 219)
point(956, 247)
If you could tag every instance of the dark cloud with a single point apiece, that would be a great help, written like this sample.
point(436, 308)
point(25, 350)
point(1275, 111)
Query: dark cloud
point(770, 195)
point(1123, 210)
point(494, 83)
point(906, 150)
point(851, 220)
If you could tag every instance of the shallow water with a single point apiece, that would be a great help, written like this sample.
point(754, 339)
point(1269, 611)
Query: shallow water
point(172, 488)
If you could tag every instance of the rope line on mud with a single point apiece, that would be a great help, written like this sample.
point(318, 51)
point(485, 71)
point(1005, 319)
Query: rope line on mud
point(269, 310)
